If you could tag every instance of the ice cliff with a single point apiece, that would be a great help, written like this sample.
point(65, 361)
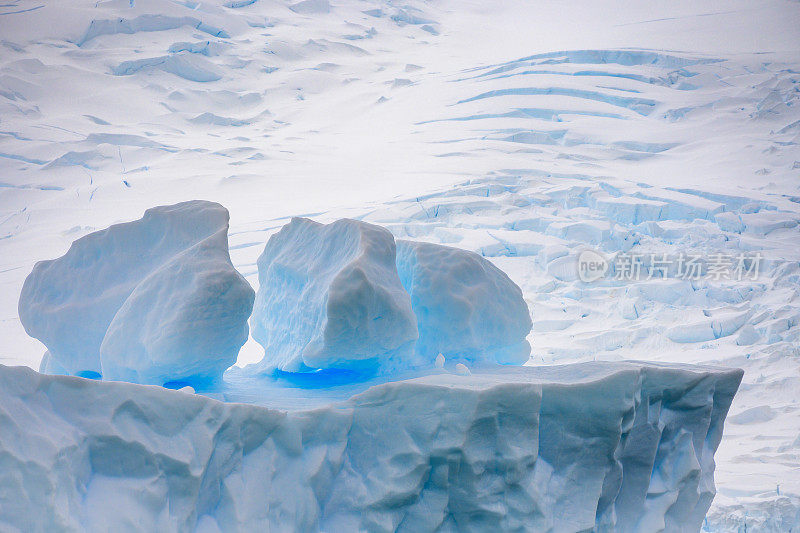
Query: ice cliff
point(596, 446)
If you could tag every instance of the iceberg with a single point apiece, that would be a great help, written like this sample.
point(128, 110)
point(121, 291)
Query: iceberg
point(467, 309)
point(621, 446)
point(330, 298)
point(153, 301)
point(185, 323)
point(412, 439)
point(346, 296)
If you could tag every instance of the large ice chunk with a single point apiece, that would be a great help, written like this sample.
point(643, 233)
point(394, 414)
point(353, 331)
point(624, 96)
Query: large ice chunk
point(330, 298)
point(466, 308)
point(589, 447)
point(185, 322)
point(159, 294)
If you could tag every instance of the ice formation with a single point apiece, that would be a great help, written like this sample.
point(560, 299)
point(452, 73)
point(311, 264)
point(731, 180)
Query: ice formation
point(495, 451)
point(346, 296)
point(659, 128)
point(330, 298)
point(466, 308)
point(150, 301)
point(186, 322)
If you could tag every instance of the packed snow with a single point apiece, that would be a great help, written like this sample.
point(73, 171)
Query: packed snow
point(528, 133)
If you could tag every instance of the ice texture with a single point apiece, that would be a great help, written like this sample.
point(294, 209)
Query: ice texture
point(498, 450)
point(186, 322)
point(362, 105)
point(48, 365)
point(329, 297)
point(150, 301)
point(467, 309)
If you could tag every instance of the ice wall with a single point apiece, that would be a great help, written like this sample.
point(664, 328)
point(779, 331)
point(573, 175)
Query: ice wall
point(604, 446)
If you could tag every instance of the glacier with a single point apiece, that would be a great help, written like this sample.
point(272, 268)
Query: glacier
point(154, 301)
point(595, 446)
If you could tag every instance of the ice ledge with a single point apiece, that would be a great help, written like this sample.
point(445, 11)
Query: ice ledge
point(609, 446)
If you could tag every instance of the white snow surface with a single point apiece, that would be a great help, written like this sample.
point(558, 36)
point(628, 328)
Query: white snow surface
point(329, 297)
point(523, 131)
point(502, 451)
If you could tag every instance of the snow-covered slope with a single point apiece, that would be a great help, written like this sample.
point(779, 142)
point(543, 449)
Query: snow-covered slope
point(526, 131)
point(505, 450)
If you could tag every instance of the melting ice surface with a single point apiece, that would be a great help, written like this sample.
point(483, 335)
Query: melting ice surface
point(381, 403)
